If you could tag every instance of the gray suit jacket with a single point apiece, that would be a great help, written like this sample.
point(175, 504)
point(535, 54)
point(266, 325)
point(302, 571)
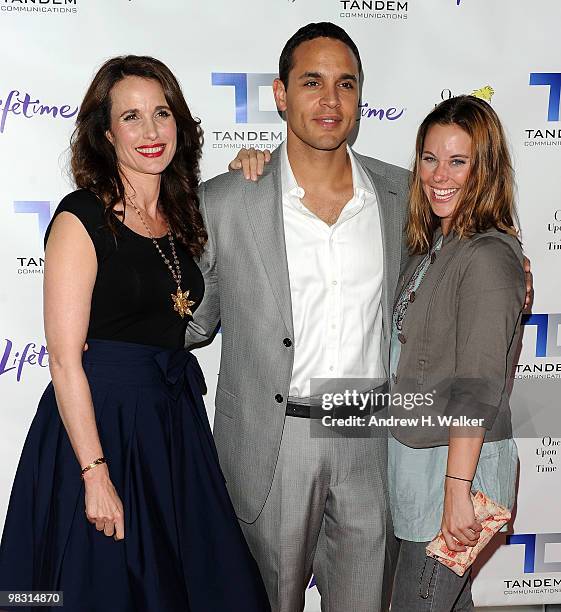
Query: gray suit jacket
point(247, 288)
point(460, 337)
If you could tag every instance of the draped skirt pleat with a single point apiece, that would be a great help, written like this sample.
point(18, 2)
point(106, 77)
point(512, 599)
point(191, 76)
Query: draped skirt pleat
point(183, 549)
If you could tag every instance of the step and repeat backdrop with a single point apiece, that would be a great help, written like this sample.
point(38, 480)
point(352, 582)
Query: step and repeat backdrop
point(225, 54)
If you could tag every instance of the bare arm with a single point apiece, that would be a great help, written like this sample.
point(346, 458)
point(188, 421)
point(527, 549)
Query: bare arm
point(70, 271)
point(458, 520)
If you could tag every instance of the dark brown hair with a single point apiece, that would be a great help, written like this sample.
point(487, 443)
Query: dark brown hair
point(311, 31)
point(95, 165)
point(488, 195)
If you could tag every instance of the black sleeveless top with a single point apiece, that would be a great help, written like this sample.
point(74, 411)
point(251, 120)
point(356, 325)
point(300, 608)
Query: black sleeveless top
point(131, 299)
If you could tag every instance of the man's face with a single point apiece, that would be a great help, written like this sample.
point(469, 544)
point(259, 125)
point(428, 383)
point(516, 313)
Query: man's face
point(321, 100)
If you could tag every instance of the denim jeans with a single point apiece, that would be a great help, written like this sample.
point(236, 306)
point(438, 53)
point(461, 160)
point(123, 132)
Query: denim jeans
point(422, 584)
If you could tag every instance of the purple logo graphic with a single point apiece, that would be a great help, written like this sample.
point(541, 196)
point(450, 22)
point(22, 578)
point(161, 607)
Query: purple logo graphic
point(246, 94)
point(13, 360)
point(22, 104)
point(553, 81)
point(547, 333)
point(38, 207)
point(391, 113)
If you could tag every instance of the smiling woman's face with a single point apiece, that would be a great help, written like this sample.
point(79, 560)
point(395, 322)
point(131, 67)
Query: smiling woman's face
point(444, 169)
point(143, 129)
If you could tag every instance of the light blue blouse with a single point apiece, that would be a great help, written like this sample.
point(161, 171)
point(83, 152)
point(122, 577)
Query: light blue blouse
point(416, 475)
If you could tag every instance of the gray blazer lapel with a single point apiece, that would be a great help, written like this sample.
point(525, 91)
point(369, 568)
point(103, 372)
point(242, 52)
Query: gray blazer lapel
point(263, 201)
point(392, 236)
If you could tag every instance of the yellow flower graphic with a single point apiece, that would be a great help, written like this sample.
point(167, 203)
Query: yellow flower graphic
point(484, 93)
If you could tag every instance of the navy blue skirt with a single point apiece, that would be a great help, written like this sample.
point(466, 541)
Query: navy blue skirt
point(183, 549)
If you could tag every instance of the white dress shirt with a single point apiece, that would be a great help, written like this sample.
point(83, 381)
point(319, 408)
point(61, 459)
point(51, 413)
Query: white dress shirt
point(335, 284)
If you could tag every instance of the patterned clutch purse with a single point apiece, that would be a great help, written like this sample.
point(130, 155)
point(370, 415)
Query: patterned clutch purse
point(492, 517)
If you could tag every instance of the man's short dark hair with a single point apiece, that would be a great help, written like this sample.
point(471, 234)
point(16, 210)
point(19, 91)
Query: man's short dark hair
point(312, 31)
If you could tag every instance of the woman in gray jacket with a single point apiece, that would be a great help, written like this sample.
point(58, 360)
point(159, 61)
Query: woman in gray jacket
point(456, 324)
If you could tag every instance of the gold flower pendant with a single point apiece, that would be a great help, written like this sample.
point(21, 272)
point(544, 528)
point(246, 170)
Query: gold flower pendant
point(181, 302)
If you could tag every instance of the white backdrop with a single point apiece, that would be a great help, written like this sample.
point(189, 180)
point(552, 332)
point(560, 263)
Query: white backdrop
point(415, 53)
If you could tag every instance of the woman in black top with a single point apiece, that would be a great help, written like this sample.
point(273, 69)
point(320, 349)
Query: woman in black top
point(159, 532)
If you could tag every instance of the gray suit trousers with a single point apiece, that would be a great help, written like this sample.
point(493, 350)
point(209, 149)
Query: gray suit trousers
point(326, 514)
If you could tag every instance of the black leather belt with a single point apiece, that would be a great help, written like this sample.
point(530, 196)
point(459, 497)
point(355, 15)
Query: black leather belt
point(315, 411)
point(303, 411)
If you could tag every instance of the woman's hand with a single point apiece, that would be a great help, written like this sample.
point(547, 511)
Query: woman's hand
point(459, 527)
point(251, 162)
point(529, 301)
point(104, 508)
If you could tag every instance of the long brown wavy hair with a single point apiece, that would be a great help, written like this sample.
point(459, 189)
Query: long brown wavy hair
point(488, 197)
point(95, 165)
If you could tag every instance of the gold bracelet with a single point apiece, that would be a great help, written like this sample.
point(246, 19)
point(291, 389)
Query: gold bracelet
point(92, 465)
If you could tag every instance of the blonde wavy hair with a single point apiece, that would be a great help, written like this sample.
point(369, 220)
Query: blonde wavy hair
point(487, 199)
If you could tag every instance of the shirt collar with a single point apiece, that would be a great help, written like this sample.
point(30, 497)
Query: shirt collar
point(361, 181)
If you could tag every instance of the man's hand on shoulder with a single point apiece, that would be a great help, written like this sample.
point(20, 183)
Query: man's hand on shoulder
point(528, 303)
point(251, 162)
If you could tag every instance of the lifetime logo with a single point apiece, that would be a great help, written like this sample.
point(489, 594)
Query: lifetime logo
point(547, 334)
point(35, 207)
point(246, 93)
point(534, 551)
point(553, 80)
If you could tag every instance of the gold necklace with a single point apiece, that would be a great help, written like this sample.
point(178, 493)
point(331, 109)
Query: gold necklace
point(181, 302)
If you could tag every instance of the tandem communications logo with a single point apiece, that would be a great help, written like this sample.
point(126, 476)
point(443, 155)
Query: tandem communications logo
point(547, 346)
point(547, 87)
point(39, 7)
point(31, 262)
point(536, 561)
point(374, 9)
point(257, 122)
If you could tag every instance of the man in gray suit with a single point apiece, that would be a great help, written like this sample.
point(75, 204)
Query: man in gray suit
point(301, 269)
